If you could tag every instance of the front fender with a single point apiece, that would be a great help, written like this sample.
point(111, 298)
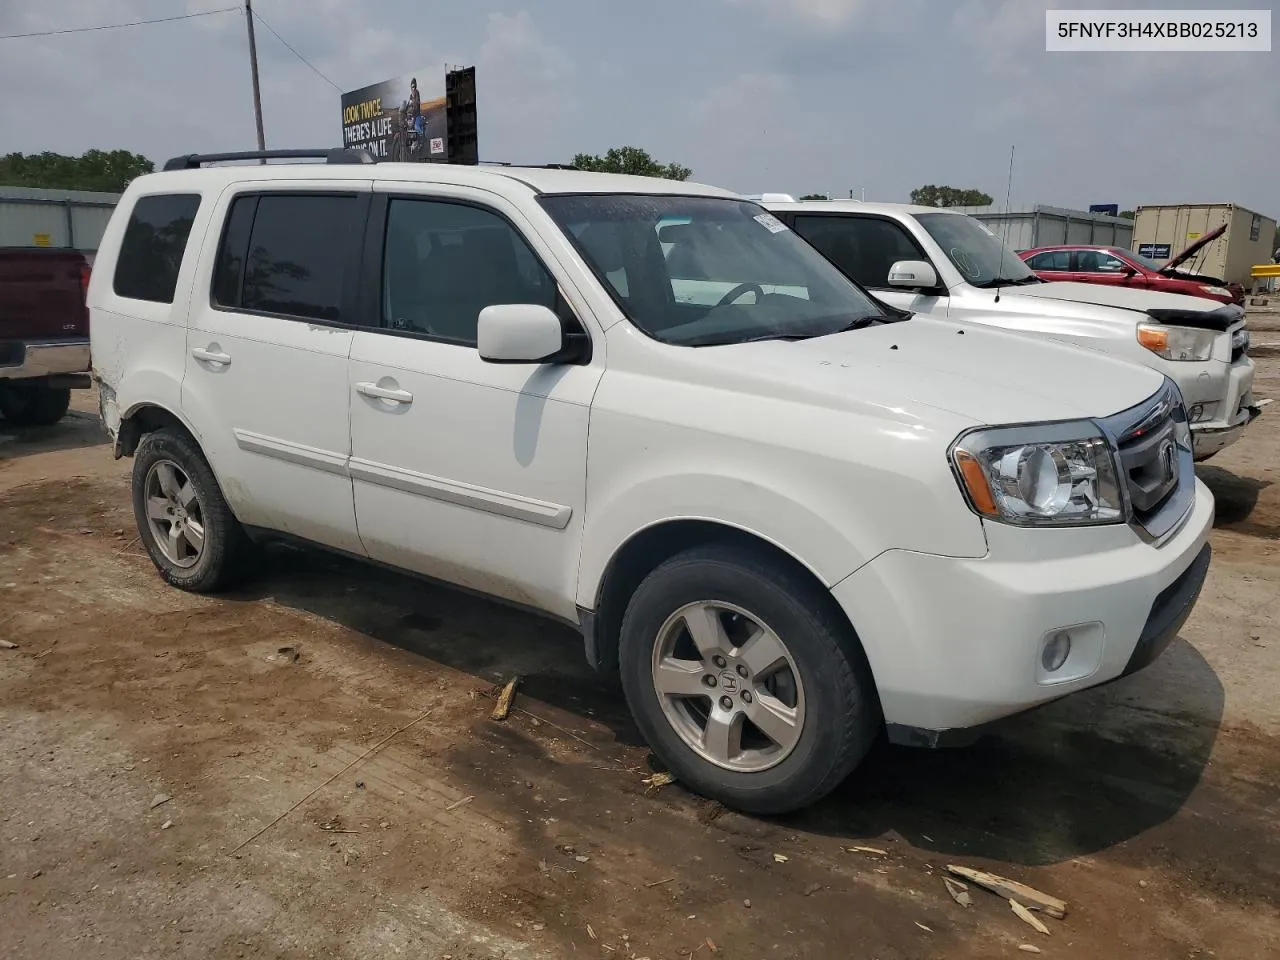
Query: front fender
point(729, 501)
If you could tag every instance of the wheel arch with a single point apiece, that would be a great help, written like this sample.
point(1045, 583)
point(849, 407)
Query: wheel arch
point(145, 417)
point(651, 546)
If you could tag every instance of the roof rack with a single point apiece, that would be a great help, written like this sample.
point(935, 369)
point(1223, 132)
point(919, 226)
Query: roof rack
point(528, 166)
point(194, 161)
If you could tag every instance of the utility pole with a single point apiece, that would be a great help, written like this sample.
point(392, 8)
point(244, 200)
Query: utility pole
point(253, 67)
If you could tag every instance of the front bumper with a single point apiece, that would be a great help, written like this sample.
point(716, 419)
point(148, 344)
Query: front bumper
point(1220, 404)
point(21, 360)
point(956, 643)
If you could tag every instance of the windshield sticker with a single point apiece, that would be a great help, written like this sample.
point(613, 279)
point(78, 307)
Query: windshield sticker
point(770, 222)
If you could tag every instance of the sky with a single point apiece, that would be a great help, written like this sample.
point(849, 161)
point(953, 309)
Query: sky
point(792, 96)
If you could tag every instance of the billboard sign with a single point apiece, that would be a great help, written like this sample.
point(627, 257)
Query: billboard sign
point(1110, 209)
point(394, 121)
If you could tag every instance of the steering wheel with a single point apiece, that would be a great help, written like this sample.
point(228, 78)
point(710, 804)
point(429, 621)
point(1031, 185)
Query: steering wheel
point(738, 291)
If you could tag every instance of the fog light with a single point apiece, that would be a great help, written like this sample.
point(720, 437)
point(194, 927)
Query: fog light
point(1056, 651)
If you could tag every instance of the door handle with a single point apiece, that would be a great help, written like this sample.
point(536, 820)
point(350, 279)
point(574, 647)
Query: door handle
point(211, 356)
point(382, 393)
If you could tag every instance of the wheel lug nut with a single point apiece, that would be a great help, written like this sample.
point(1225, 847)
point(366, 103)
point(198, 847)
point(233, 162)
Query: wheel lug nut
point(746, 696)
point(719, 661)
point(742, 670)
point(709, 679)
point(726, 703)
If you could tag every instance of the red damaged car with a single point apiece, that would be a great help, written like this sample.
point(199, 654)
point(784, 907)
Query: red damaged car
point(1124, 268)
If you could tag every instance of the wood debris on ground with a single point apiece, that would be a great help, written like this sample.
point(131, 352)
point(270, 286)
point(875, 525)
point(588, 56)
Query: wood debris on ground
point(1029, 897)
point(1029, 948)
point(159, 799)
point(457, 803)
point(1027, 917)
point(959, 892)
point(780, 858)
point(711, 945)
point(874, 851)
point(922, 926)
point(7, 645)
point(591, 932)
point(657, 781)
point(508, 694)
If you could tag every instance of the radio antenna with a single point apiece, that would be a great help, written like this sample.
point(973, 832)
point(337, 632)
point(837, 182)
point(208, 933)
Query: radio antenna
point(1007, 194)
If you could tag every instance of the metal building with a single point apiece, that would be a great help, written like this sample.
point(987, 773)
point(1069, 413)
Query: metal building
point(1161, 231)
point(1044, 226)
point(32, 217)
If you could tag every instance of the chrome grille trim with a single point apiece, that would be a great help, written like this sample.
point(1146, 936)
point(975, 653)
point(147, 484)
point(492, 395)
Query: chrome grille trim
point(1153, 445)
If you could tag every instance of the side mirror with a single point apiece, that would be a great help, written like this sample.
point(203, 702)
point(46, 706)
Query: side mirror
point(519, 333)
point(912, 273)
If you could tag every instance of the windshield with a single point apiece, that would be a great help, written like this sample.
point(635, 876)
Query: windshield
point(980, 256)
point(700, 271)
point(1142, 261)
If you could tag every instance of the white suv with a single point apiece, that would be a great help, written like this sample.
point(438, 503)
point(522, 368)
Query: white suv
point(946, 264)
point(648, 409)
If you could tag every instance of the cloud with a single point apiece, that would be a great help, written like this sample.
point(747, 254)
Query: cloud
point(837, 13)
point(525, 92)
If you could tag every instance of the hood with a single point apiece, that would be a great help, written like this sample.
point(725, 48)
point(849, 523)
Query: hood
point(1125, 298)
point(1195, 248)
point(981, 375)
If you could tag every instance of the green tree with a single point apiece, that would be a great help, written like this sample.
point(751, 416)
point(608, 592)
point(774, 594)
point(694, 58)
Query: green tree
point(1127, 214)
point(815, 196)
point(631, 160)
point(935, 196)
point(105, 170)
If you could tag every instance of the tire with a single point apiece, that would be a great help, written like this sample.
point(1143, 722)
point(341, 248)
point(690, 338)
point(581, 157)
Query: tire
point(831, 717)
point(34, 404)
point(211, 551)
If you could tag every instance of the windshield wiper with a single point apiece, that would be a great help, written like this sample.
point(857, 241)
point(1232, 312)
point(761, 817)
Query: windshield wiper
point(857, 323)
point(1007, 282)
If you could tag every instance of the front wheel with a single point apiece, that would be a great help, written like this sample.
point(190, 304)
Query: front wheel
point(745, 680)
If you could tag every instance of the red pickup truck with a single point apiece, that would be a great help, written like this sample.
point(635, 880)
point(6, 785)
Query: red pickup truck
point(44, 333)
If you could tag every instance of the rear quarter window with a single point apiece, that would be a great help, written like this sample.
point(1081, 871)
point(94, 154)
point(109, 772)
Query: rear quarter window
point(154, 243)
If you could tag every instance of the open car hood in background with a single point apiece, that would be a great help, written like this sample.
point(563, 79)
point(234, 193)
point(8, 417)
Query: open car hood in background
point(1195, 248)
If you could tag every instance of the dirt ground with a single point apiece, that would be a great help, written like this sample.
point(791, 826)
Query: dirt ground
point(358, 802)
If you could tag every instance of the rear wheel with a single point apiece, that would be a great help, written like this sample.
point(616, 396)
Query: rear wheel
point(183, 521)
point(745, 680)
point(33, 404)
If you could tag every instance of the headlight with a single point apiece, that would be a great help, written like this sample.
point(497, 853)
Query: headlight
point(1060, 474)
point(1177, 343)
point(1217, 291)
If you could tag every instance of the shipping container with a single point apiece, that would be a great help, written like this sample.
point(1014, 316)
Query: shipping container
point(74, 219)
point(1160, 232)
point(1045, 226)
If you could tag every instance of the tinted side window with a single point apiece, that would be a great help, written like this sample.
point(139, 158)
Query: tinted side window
point(863, 248)
point(228, 271)
point(155, 240)
point(445, 262)
point(1051, 260)
point(297, 256)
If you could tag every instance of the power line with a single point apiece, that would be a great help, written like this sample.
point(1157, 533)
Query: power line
point(117, 26)
point(257, 16)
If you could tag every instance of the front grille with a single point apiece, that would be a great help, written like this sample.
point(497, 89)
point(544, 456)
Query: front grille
point(1156, 462)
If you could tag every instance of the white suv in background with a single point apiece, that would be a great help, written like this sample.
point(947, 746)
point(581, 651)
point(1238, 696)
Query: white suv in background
point(646, 408)
point(946, 264)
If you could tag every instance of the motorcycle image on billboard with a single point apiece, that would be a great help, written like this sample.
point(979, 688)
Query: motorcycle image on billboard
point(392, 121)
